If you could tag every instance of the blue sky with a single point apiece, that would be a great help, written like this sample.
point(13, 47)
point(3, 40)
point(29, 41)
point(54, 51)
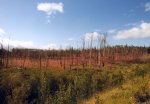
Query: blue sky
point(125, 21)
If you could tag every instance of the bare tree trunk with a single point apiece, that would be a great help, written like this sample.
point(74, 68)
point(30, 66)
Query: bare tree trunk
point(1, 56)
point(47, 59)
point(64, 59)
point(99, 51)
point(40, 59)
point(83, 53)
point(7, 56)
point(25, 57)
point(91, 43)
point(72, 57)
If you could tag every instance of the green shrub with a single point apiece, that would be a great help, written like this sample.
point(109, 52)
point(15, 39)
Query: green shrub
point(98, 100)
point(138, 71)
point(117, 78)
point(142, 94)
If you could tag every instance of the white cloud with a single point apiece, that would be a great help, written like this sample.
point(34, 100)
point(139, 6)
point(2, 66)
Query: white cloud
point(5, 41)
point(2, 32)
point(112, 31)
point(25, 44)
point(16, 44)
point(141, 31)
point(147, 6)
point(50, 8)
point(92, 36)
point(134, 24)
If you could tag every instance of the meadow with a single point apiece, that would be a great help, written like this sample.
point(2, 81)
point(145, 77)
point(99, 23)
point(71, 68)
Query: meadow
point(74, 52)
point(124, 83)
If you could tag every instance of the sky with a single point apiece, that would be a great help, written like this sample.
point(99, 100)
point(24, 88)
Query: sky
point(62, 23)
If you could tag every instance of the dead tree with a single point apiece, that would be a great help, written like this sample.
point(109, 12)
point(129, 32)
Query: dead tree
point(71, 56)
point(102, 41)
point(1, 56)
point(99, 49)
point(25, 57)
point(83, 51)
point(47, 59)
point(91, 44)
point(40, 59)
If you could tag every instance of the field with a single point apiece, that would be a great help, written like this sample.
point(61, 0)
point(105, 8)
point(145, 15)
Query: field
point(123, 83)
point(74, 52)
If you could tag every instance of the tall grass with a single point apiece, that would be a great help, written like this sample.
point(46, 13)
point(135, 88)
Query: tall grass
point(49, 86)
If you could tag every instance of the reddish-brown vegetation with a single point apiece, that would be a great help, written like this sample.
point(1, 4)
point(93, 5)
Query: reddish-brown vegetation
point(70, 58)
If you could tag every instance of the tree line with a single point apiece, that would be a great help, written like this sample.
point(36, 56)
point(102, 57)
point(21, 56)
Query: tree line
point(73, 57)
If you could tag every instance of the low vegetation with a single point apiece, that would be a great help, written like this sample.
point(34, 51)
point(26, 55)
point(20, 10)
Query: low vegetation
point(134, 90)
point(118, 84)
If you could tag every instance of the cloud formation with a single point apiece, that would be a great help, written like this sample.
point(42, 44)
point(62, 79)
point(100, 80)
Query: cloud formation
point(50, 8)
point(25, 44)
point(92, 36)
point(147, 6)
point(16, 44)
point(5, 41)
point(141, 31)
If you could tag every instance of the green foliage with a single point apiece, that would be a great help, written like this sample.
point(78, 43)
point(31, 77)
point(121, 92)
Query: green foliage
point(138, 71)
point(117, 78)
point(98, 100)
point(68, 86)
point(141, 90)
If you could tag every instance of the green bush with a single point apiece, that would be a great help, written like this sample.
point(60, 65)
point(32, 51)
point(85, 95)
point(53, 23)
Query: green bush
point(142, 93)
point(139, 71)
point(117, 78)
point(98, 100)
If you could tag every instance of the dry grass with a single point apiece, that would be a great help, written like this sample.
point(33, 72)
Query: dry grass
point(123, 94)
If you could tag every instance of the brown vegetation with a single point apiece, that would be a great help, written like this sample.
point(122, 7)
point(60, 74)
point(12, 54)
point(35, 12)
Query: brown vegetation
point(69, 58)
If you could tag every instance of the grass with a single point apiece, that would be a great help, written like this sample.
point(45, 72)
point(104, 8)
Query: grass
point(119, 84)
point(135, 90)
